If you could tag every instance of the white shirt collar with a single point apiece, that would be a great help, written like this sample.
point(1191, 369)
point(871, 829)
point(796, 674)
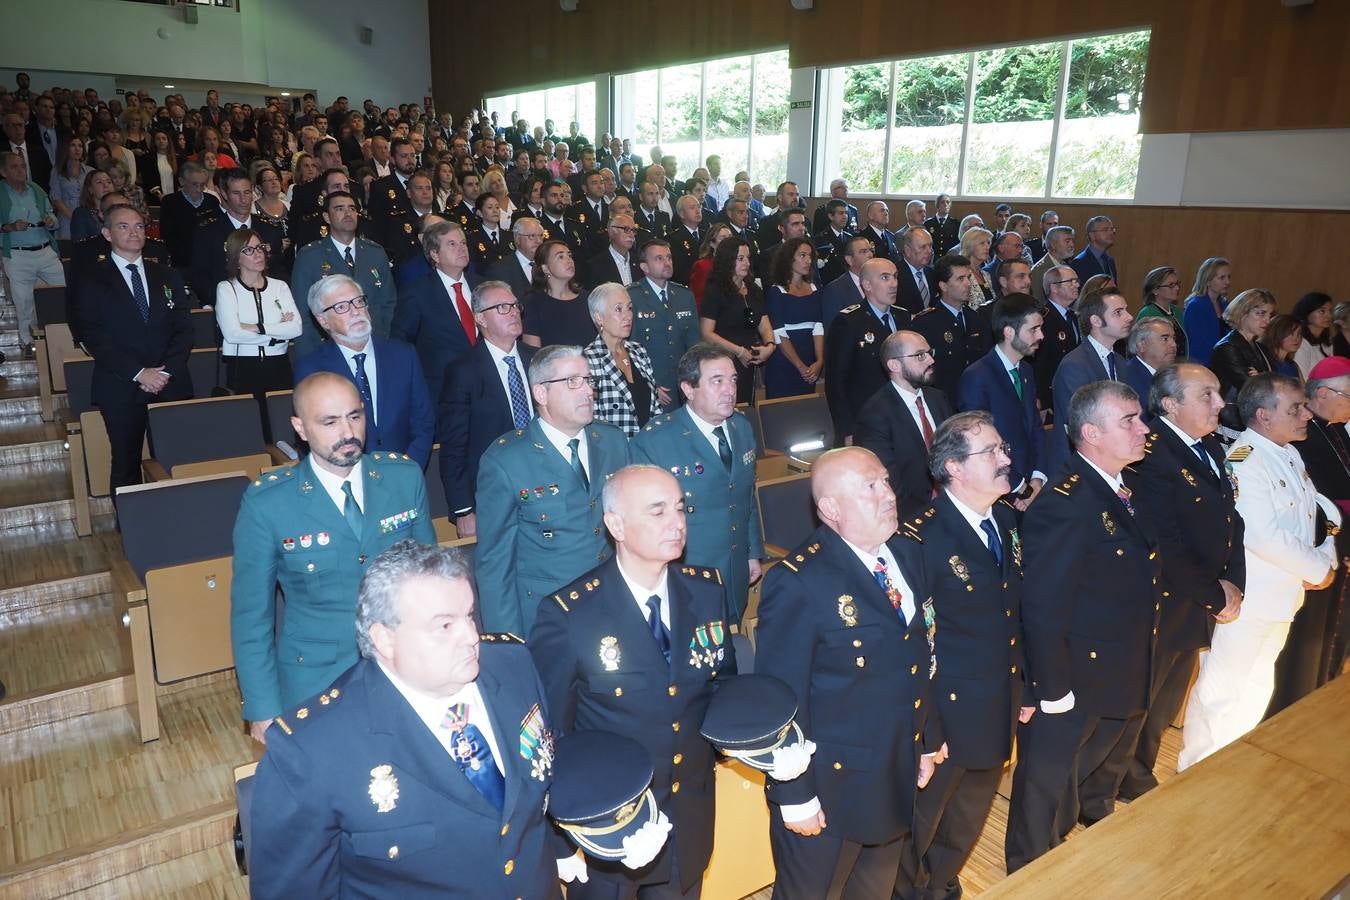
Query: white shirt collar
point(498, 354)
point(619, 258)
point(332, 485)
point(706, 428)
point(1007, 363)
point(341, 247)
point(239, 223)
point(560, 443)
point(1115, 483)
point(641, 592)
point(432, 710)
point(973, 519)
point(525, 262)
point(1148, 368)
point(451, 282)
point(1102, 352)
point(656, 290)
point(857, 282)
point(1185, 438)
point(892, 569)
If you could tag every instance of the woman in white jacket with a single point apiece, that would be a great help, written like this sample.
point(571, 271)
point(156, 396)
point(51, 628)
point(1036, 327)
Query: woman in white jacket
point(257, 319)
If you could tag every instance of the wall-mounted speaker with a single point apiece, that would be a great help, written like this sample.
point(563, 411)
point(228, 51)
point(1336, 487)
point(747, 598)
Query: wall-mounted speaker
point(367, 35)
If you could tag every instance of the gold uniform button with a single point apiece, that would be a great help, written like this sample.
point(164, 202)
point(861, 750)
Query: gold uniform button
point(860, 662)
point(1119, 552)
point(1012, 642)
point(672, 690)
point(679, 758)
point(1008, 613)
point(916, 737)
point(918, 703)
point(1013, 670)
point(857, 643)
point(505, 829)
point(838, 766)
point(1092, 654)
point(914, 669)
point(509, 867)
point(393, 852)
point(675, 727)
point(674, 787)
point(618, 692)
point(1167, 593)
point(952, 697)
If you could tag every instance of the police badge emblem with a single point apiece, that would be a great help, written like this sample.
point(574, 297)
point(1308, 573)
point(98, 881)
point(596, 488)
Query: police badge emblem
point(383, 788)
point(847, 610)
point(610, 656)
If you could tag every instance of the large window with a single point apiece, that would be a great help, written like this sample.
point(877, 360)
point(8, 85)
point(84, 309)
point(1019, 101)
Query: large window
point(563, 104)
point(735, 108)
point(1042, 120)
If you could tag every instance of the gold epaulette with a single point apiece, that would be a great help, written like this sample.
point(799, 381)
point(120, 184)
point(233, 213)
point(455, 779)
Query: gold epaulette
point(1067, 485)
point(386, 456)
point(501, 637)
point(327, 698)
point(1240, 453)
point(800, 558)
point(696, 572)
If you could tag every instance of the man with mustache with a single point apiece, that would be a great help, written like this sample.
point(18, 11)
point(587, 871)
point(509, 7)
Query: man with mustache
point(312, 528)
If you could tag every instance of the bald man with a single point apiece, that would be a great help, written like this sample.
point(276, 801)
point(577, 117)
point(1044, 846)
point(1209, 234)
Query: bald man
point(847, 622)
point(853, 366)
point(312, 528)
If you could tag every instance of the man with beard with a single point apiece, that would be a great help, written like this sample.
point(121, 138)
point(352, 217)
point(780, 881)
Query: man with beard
point(1004, 383)
point(557, 227)
point(312, 528)
point(898, 422)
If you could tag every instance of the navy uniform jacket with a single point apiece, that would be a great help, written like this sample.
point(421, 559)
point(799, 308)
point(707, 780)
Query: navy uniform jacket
point(427, 317)
point(838, 295)
point(862, 680)
point(944, 232)
point(886, 428)
point(602, 669)
point(569, 233)
point(656, 224)
point(392, 222)
point(485, 250)
point(667, 329)
point(684, 248)
point(1091, 600)
point(954, 348)
point(404, 420)
point(289, 531)
point(986, 385)
point(830, 249)
point(320, 258)
point(820, 220)
point(1199, 531)
point(722, 510)
point(978, 689)
point(319, 832)
point(883, 244)
point(585, 216)
point(474, 410)
point(537, 527)
point(1136, 376)
point(853, 369)
point(1059, 338)
point(208, 252)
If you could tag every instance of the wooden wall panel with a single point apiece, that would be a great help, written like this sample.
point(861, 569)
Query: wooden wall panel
point(1214, 65)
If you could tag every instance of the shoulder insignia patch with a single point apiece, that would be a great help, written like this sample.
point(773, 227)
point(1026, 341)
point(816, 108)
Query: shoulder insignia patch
point(788, 563)
point(1239, 454)
point(849, 309)
point(281, 723)
point(557, 598)
point(501, 637)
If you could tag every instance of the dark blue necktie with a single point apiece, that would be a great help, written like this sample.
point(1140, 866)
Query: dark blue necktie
point(520, 407)
point(138, 292)
point(1111, 366)
point(659, 630)
point(1205, 463)
point(475, 760)
point(991, 538)
point(363, 385)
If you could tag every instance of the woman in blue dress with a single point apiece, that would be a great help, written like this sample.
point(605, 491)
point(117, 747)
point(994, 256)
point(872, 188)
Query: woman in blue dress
point(1203, 317)
point(795, 311)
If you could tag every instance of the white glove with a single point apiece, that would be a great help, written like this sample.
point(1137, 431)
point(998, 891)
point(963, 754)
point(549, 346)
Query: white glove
point(789, 762)
point(573, 868)
point(642, 847)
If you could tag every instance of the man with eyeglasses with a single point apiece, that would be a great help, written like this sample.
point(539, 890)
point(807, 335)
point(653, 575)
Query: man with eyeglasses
point(615, 263)
point(181, 212)
point(399, 415)
point(344, 252)
point(899, 421)
point(486, 395)
point(87, 255)
point(1095, 258)
point(973, 556)
point(539, 515)
point(516, 268)
point(1058, 252)
point(208, 243)
point(1060, 286)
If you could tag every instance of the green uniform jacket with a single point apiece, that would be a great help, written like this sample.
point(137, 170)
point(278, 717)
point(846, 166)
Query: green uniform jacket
point(289, 531)
point(537, 528)
point(667, 330)
point(722, 511)
point(320, 258)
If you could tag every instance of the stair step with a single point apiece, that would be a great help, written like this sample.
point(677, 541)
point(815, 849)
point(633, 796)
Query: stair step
point(50, 512)
point(46, 647)
point(15, 366)
point(37, 451)
point(49, 564)
point(18, 431)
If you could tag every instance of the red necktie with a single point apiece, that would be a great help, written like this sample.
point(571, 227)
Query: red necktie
point(465, 315)
point(924, 423)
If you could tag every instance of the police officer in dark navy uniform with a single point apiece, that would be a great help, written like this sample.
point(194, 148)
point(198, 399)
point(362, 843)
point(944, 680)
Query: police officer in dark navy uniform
point(389, 202)
point(306, 198)
point(637, 646)
point(310, 225)
point(973, 555)
point(557, 226)
point(853, 368)
point(487, 245)
point(424, 769)
point(1091, 603)
point(831, 242)
point(958, 334)
point(686, 236)
point(846, 621)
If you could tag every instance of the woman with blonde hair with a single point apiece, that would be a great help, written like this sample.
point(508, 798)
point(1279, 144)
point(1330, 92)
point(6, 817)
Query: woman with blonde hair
point(1204, 312)
point(975, 244)
point(494, 183)
point(1239, 355)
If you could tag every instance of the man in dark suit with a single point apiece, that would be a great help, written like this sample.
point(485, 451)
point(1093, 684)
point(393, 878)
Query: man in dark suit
point(539, 493)
point(788, 199)
point(1105, 318)
point(900, 419)
point(485, 395)
point(87, 255)
point(1094, 258)
point(208, 242)
point(877, 230)
point(958, 335)
point(399, 414)
point(917, 289)
point(1090, 612)
point(686, 236)
point(831, 241)
point(435, 313)
point(353, 779)
point(860, 666)
point(943, 227)
point(1003, 383)
point(649, 218)
point(516, 268)
point(1038, 246)
point(1152, 346)
point(212, 114)
point(48, 133)
point(1060, 328)
point(821, 219)
point(664, 647)
point(972, 553)
point(853, 367)
point(557, 227)
point(1183, 495)
point(134, 318)
point(183, 211)
point(845, 291)
point(615, 263)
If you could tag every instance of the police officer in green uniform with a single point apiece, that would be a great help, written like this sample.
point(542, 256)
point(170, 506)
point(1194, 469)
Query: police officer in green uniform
point(343, 252)
point(540, 520)
point(312, 528)
point(710, 449)
point(665, 317)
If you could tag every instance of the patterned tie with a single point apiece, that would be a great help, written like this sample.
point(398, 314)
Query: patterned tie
point(363, 385)
point(992, 539)
point(351, 510)
point(349, 259)
point(520, 407)
point(138, 292)
point(1016, 381)
point(924, 423)
point(922, 281)
point(659, 630)
point(1124, 494)
point(465, 315)
point(470, 750)
point(575, 444)
point(883, 577)
point(723, 446)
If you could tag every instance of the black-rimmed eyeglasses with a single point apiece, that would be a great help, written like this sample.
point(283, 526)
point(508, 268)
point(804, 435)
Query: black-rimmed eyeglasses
point(573, 382)
point(342, 307)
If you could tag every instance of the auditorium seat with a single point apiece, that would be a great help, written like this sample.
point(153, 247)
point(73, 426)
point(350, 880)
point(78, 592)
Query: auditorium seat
point(206, 371)
point(51, 341)
point(801, 422)
point(204, 329)
point(205, 436)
